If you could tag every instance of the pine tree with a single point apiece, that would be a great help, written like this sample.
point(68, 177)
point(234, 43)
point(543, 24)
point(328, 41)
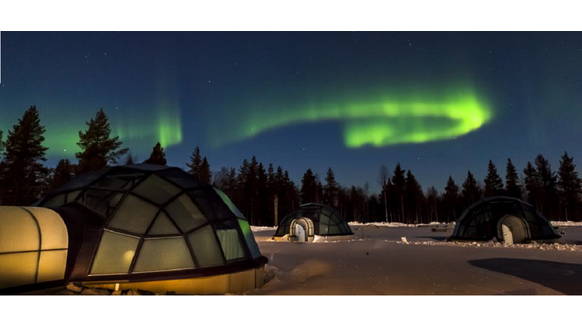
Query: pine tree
point(550, 193)
point(63, 173)
point(533, 186)
point(330, 190)
point(129, 159)
point(493, 182)
point(308, 187)
point(570, 187)
point(97, 148)
point(413, 198)
point(384, 180)
point(512, 187)
point(22, 167)
point(451, 199)
point(204, 174)
point(157, 156)
point(471, 191)
point(398, 185)
point(195, 162)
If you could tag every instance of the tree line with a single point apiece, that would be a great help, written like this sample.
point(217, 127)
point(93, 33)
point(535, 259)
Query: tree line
point(265, 194)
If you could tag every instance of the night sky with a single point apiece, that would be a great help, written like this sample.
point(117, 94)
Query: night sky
point(438, 103)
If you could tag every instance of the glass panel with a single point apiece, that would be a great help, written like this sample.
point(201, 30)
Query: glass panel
point(230, 244)
point(118, 181)
point(334, 230)
point(18, 230)
point(185, 213)
point(102, 201)
point(156, 189)
point(229, 203)
point(181, 178)
point(17, 269)
point(163, 226)
point(249, 238)
point(324, 219)
point(82, 180)
point(134, 215)
point(55, 201)
point(323, 229)
point(52, 265)
point(53, 229)
point(206, 248)
point(164, 254)
point(72, 196)
point(114, 254)
point(210, 203)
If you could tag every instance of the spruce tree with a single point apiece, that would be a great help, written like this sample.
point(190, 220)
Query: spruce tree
point(157, 156)
point(63, 173)
point(308, 187)
point(413, 198)
point(548, 179)
point(512, 187)
point(450, 199)
point(330, 189)
point(204, 174)
point(195, 162)
point(398, 185)
point(569, 185)
point(493, 182)
point(471, 191)
point(98, 149)
point(533, 186)
point(22, 167)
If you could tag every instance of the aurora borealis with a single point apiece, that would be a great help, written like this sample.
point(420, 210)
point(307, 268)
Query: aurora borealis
point(438, 103)
point(378, 124)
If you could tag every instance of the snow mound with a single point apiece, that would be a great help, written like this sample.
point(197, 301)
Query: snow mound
point(258, 228)
point(566, 224)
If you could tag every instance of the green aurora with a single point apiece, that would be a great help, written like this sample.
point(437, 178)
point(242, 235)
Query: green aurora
point(382, 122)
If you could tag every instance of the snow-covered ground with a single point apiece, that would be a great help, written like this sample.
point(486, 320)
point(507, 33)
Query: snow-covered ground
point(379, 261)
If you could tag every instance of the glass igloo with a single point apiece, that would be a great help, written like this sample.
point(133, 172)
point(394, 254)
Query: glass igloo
point(138, 223)
point(313, 219)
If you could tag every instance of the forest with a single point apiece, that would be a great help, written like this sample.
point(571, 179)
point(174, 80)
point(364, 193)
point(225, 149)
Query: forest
point(265, 194)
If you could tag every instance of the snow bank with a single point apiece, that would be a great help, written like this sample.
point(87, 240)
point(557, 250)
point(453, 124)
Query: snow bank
point(495, 244)
point(256, 228)
point(399, 224)
point(566, 224)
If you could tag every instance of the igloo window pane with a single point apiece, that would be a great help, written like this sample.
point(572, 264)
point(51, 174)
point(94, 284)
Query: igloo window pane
point(156, 189)
point(249, 238)
point(164, 254)
point(230, 243)
point(323, 229)
point(133, 215)
point(229, 203)
point(73, 195)
point(206, 247)
point(185, 213)
point(118, 181)
point(324, 219)
point(163, 226)
point(102, 201)
point(114, 254)
point(55, 201)
point(334, 230)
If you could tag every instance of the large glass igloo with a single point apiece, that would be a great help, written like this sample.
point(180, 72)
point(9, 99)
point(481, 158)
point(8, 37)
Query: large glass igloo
point(507, 219)
point(140, 223)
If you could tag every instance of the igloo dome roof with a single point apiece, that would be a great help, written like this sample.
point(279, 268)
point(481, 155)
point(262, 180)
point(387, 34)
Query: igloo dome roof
point(140, 222)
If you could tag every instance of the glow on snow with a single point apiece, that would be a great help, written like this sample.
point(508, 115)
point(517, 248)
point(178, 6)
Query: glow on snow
point(377, 123)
